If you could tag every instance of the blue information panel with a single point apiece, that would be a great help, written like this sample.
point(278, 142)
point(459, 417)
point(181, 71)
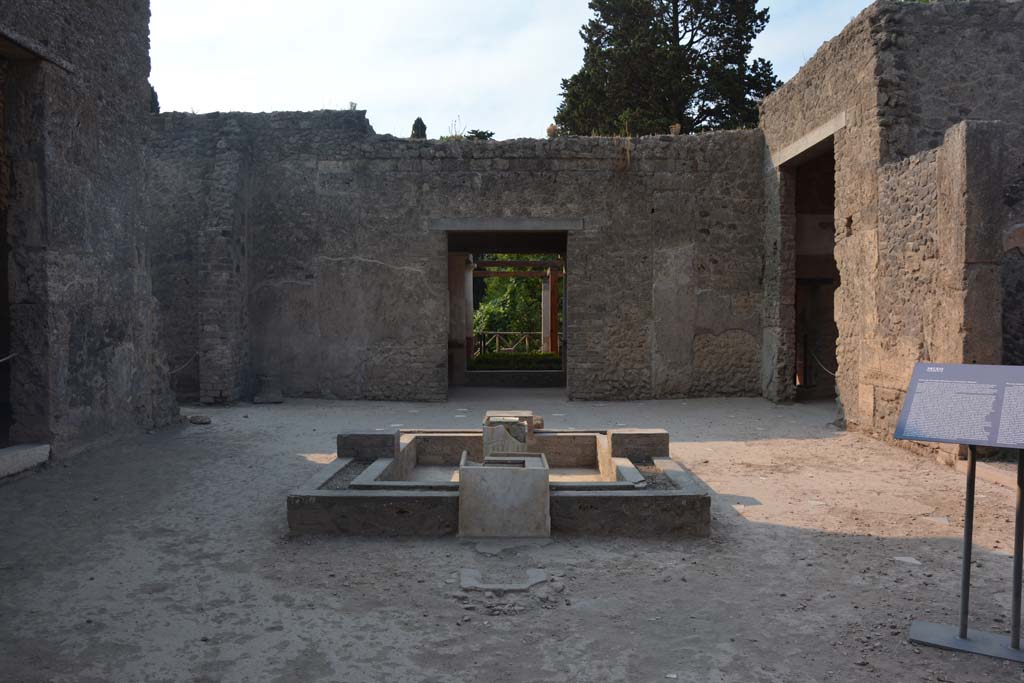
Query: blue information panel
point(980, 405)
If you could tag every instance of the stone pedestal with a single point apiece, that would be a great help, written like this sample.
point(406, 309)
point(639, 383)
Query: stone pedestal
point(505, 496)
point(508, 431)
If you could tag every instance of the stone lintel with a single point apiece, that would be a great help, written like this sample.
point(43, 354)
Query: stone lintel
point(506, 224)
point(809, 141)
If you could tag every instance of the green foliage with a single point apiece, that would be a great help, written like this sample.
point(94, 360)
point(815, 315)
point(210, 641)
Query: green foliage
point(456, 131)
point(649, 64)
point(516, 361)
point(419, 129)
point(511, 304)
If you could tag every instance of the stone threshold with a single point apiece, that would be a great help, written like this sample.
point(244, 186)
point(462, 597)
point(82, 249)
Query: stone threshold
point(22, 457)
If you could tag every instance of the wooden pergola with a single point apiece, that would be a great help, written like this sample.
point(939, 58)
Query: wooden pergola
point(550, 271)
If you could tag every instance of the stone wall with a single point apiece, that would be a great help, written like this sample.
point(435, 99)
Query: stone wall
point(84, 319)
point(839, 82)
point(175, 209)
point(198, 210)
point(1013, 248)
point(305, 246)
point(944, 62)
point(952, 61)
point(937, 263)
point(347, 285)
point(915, 235)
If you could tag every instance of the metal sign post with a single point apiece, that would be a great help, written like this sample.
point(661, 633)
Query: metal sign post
point(936, 410)
point(962, 638)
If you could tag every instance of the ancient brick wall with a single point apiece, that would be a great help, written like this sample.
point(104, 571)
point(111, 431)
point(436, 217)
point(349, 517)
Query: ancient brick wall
point(198, 209)
point(176, 207)
point(839, 82)
point(938, 265)
point(916, 195)
point(1013, 247)
point(85, 322)
point(945, 62)
point(347, 284)
point(953, 61)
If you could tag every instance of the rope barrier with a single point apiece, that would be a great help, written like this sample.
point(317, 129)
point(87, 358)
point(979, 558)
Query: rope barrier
point(186, 364)
point(820, 363)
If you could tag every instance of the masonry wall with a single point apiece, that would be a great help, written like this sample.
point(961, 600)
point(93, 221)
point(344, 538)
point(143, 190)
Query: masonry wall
point(347, 285)
point(176, 209)
point(198, 208)
point(1012, 262)
point(921, 202)
point(839, 81)
point(962, 60)
point(938, 251)
point(84, 319)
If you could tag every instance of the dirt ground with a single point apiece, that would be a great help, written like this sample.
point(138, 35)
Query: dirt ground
point(167, 558)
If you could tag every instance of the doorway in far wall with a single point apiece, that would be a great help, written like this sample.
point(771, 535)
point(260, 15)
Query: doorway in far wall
point(507, 309)
point(817, 275)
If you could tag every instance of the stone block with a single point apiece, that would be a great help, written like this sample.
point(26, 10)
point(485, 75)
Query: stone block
point(566, 449)
point(444, 448)
point(15, 459)
point(507, 431)
point(368, 445)
point(639, 444)
point(373, 513)
point(472, 580)
point(635, 514)
point(506, 496)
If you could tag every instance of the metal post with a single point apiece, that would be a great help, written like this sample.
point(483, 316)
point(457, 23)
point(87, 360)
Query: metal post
point(1018, 554)
point(965, 576)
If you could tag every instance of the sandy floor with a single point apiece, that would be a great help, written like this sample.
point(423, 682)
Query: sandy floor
point(167, 559)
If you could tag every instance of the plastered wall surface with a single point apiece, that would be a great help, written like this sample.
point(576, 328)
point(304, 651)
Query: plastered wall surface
point(346, 280)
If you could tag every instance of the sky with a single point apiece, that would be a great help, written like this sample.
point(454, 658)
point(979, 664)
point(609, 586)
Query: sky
point(459, 64)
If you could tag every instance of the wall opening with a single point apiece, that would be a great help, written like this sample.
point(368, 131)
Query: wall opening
point(24, 375)
point(816, 272)
point(506, 304)
point(6, 412)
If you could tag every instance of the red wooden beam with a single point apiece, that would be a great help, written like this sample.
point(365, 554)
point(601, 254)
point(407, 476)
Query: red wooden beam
point(553, 309)
point(515, 273)
point(519, 264)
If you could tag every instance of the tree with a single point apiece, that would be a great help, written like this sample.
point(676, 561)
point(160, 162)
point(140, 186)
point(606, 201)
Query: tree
point(476, 134)
point(510, 304)
point(648, 64)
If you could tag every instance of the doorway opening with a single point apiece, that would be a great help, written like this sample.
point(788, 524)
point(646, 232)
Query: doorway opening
point(6, 412)
point(506, 293)
point(817, 274)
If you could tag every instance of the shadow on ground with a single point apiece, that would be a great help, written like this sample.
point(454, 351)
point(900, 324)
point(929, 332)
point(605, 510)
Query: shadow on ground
point(166, 558)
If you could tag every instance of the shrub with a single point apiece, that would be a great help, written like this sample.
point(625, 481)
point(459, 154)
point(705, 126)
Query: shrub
point(516, 361)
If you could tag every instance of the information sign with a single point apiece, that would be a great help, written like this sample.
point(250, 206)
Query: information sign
point(980, 405)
